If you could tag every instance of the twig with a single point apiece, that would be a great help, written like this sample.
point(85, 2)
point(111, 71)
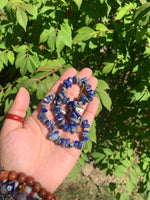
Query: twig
point(54, 70)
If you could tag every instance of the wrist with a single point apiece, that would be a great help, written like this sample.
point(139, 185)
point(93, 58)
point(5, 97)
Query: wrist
point(19, 185)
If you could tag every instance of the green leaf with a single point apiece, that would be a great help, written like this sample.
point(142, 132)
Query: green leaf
point(108, 67)
point(22, 17)
point(92, 133)
point(20, 60)
point(84, 157)
point(101, 27)
point(44, 35)
point(97, 155)
point(30, 9)
point(107, 151)
point(129, 185)
point(3, 3)
point(23, 68)
point(143, 1)
point(81, 161)
point(3, 58)
point(136, 167)
point(59, 44)
point(51, 80)
point(133, 176)
point(41, 90)
point(102, 85)
point(45, 9)
point(65, 34)
point(77, 168)
point(106, 100)
point(102, 1)
point(52, 64)
point(142, 10)
point(84, 34)
point(52, 39)
point(148, 196)
point(87, 147)
point(120, 171)
point(78, 3)
point(92, 45)
point(10, 90)
point(122, 11)
point(72, 175)
point(26, 83)
point(21, 49)
point(11, 57)
point(126, 163)
point(7, 105)
point(1, 95)
point(33, 62)
point(30, 65)
point(124, 195)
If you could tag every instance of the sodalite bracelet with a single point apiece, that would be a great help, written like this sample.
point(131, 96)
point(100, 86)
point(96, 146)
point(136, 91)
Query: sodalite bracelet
point(73, 117)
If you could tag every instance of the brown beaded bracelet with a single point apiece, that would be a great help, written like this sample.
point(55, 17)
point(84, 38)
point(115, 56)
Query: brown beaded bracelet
point(24, 181)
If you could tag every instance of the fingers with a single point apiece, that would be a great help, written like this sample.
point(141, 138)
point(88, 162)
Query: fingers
point(18, 107)
point(72, 93)
point(70, 72)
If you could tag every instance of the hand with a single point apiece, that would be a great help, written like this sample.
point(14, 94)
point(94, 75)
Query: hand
point(24, 146)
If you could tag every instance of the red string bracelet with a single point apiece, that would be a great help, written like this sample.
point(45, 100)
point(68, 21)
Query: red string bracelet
point(14, 117)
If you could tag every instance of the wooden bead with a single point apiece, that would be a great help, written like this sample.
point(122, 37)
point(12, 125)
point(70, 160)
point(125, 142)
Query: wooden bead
point(22, 177)
point(30, 181)
point(49, 196)
point(4, 175)
point(13, 176)
point(42, 192)
point(54, 197)
point(36, 187)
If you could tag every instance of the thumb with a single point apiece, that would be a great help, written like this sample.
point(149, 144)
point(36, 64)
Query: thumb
point(18, 107)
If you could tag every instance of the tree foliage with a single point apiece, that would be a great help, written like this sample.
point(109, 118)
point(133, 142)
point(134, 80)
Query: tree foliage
point(39, 40)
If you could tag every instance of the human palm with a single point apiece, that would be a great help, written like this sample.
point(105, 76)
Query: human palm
point(25, 147)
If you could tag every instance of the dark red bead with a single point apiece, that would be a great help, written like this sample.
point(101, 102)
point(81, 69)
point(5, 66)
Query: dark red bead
point(4, 174)
point(22, 177)
point(36, 187)
point(49, 196)
point(13, 176)
point(42, 193)
point(30, 181)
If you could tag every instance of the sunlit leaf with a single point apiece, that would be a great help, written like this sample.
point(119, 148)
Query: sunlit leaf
point(22, 17)
point(78, 3)
point(3, 3)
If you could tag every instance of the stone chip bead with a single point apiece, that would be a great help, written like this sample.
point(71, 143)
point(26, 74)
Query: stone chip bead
point(21, 196)
point(36, 187)
point(22, 188)
point(12, 176)
point(3, 189)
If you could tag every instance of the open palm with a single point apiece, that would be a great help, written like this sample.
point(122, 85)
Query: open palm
point(24, 146)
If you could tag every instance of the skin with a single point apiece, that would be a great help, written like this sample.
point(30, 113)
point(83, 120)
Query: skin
point(25, 147)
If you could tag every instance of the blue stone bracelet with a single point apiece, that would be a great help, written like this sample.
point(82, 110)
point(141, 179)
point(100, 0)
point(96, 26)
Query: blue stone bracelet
point(74, 108)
